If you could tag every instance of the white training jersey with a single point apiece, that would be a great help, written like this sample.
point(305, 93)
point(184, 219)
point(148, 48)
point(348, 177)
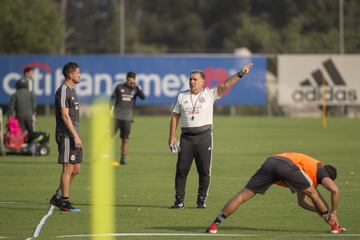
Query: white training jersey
point(196, 110)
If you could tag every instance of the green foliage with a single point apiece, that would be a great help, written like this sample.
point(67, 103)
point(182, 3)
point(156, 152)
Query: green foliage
point(87, 26)
point(254, 33)
point(352, 26)
point(29, 27)
point(279, 26)
point(296, 41)
point(186, 26)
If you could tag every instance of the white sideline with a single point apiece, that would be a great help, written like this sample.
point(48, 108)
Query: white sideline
point(158, 235)
point(41, 223)
point(204, 235)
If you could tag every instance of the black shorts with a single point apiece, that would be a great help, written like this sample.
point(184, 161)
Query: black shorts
point(68, 153)
point(276, 169)
point(124, 127)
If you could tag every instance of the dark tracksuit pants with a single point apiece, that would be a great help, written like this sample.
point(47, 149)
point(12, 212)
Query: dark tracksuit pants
point(198, 147)
point(26, 123)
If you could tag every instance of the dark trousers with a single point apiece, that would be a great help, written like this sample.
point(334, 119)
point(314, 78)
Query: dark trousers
point(198, 147)
point(26, 123)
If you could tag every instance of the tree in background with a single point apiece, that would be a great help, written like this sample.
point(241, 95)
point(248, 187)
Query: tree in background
point(27, 27)
point(352, 26)
point(87, 24)
point(159, 26)
point(212, 26)
point(178, 26)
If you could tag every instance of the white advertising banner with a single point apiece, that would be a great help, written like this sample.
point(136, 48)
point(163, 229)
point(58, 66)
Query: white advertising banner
point(306, 79)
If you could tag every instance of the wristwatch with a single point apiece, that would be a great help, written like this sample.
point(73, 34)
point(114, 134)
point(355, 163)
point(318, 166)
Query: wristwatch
point(239, 75)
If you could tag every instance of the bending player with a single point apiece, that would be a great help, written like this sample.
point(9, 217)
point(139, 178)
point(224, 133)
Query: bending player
point(299, 172)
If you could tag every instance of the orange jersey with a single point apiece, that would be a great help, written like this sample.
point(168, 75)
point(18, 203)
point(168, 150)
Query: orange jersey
point(304, 162)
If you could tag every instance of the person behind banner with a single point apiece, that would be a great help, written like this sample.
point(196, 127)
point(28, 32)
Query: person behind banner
point(28, 74)
point(23, 107)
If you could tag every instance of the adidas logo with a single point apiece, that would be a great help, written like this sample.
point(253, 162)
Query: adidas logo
point(335, 91)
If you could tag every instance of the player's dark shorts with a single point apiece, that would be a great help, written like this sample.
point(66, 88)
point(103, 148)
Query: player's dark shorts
point(68, 153)
point(276, 169)
point(124, 127)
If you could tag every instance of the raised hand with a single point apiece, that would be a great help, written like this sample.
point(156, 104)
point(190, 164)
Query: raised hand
point(245, 70)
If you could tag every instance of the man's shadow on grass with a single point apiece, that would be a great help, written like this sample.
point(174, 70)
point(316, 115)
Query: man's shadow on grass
point(23, 161)
point(188, 229)
point(127, 205)
point(11, 204)
point(19, 205)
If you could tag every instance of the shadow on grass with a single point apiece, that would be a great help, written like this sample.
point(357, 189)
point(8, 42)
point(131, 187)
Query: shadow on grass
point(231, 228)
point(5, 203)
point(127, 205)
point(29, 160)
point(16, 208)
point(19, 205)
point(9, 202)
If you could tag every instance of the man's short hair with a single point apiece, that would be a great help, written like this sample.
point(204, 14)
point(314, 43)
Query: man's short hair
point(27, 69)
point(202, 74)
point(69, 68)
point(131, 75)
point(331, 170)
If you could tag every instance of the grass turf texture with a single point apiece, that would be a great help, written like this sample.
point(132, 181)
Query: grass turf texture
point(144, 188)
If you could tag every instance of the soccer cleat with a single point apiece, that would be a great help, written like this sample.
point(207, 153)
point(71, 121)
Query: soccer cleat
point(335, 228)
point(115, 163)
point(54, 201)
point(123, 162)
point(178, 204)
point(201, 204)
point(66, 206)
point(212, 228)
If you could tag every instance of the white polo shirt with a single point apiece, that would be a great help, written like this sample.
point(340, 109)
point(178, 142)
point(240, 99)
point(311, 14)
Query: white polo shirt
point(196, 110)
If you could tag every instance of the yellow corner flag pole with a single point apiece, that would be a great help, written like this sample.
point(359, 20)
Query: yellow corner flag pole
point(102, 176)
point(323, 100)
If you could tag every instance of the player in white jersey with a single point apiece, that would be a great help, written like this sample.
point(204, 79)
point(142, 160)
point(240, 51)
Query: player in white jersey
point(195, 109)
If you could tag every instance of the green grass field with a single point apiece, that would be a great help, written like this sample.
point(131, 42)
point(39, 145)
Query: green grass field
point(145, 187)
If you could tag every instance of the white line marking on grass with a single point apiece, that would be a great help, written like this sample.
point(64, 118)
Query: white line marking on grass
point(2, 237)
point(158, 235)
point(205, 235)
point(22, 202)
point(42, 222)
point(322, 235)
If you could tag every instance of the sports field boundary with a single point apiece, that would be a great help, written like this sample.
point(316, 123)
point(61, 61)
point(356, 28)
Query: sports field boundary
point(157, 235)
point(42, 222)
point(206, 235)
